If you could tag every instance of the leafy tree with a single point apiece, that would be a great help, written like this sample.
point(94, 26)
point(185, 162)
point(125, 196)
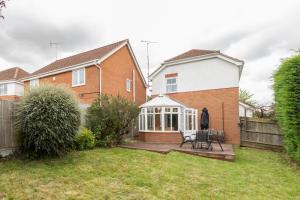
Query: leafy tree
point(287, 103)
point(48, 118)
point(110, 118)
point(247, 97)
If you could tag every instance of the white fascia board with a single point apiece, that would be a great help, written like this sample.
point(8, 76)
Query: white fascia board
point(198, 58)
point(10, 81)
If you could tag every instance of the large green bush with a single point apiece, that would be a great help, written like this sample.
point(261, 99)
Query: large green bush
point(111, 117)
point(287, 103)
point(48, 118)
point(85, 139)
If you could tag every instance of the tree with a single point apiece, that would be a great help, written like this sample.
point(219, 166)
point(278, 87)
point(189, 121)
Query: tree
point(2, 5)
point(47, 119)
point(246, 97)
point(110, 118)
point(287, 103)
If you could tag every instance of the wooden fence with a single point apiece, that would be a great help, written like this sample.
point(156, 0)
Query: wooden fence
point(261, 133)
point(8, 137)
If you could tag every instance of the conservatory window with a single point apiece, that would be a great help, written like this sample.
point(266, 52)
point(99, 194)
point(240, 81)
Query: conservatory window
point(150, 119)
point(171, 119)
point(158, 120)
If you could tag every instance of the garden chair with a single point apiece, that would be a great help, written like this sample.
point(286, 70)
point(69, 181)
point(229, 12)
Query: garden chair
point(186, 139)
point(202, 138)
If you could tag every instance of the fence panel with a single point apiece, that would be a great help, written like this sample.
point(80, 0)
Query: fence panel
point(261, 133)
point(8, 137)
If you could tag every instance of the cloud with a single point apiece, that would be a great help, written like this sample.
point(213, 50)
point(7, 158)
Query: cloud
point(25, 40)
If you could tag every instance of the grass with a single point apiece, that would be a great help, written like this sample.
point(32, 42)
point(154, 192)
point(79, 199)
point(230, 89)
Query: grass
point(131, 174)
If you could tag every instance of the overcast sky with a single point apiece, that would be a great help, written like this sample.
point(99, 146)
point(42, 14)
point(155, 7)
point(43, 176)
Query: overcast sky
point(258, 32)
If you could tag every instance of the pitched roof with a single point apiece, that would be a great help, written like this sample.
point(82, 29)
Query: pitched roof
point(198, 52)
point(162, 100)
point(192, 53)
point(79, 58)
point(14, 73)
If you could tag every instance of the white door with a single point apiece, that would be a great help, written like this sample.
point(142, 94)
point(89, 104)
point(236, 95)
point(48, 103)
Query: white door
point(189, 122)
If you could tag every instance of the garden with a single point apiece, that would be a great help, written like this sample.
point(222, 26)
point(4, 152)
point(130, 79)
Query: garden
point(62, 158)
point(115, 173)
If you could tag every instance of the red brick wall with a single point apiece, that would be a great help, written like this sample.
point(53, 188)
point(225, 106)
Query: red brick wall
point(152, 137)
point(212, 100)
point(85, 93)
point(10, 98)
point(115, 70)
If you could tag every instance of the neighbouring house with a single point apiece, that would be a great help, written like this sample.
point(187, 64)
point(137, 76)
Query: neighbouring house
point(111, 69)
point(182, 86)
point(11, 88)
point(246, 110)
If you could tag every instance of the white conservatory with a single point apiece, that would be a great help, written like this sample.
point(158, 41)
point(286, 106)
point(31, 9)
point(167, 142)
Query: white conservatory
point(163, 116)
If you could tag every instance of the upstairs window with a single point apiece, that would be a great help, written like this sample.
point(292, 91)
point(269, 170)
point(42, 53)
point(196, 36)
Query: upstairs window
point(128, 85)
point(78, 77)
point(34, 83)
point(171, 85)
point(3, 89)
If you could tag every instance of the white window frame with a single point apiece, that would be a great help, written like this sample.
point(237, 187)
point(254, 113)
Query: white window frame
point(34, 83)
point(128, 85)
point(3, 89)
point(176, 84)
point(77, 71)
point(143, 121)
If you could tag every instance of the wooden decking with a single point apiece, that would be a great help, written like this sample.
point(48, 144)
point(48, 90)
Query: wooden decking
point(216, 153)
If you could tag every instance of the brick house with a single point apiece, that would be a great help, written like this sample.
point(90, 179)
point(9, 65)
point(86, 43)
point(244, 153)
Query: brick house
point(111, 69)
point(182, 86)
point(11, 88)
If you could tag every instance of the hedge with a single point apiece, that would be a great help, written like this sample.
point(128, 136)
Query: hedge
point(287, 103)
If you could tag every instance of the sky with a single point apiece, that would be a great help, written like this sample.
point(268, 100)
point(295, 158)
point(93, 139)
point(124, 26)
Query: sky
point(259, 32)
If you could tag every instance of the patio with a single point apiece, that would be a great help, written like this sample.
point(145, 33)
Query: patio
point(216, 153)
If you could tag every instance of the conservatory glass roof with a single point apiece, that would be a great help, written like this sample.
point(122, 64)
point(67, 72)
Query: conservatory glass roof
point(162, 101)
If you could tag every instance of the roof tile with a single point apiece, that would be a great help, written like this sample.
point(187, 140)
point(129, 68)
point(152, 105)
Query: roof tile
point(14, 73)
point(79, 58)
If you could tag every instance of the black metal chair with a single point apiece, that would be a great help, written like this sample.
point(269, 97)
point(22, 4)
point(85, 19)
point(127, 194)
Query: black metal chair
point(186, 139)
point(216, 137)
point(202, 137)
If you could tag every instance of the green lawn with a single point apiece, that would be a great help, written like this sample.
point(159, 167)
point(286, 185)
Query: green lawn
point(132, 174)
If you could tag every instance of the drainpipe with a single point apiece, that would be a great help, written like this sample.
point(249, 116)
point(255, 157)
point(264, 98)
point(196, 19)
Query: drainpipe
point(100, 77)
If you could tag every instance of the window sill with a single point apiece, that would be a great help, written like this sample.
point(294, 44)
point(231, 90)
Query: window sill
point(149, 131)
point(171, 92)
point(78, 85)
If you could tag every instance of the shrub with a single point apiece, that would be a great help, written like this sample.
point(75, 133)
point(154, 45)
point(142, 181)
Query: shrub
point(85, 139)
point(48, 118)
point(111, 117)
point(287, 103)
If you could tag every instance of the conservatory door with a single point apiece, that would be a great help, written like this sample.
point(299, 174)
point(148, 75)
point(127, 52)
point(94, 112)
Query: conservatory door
point(190, 122)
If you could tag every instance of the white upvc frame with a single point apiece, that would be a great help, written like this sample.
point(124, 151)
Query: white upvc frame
point(194, 120)
point(128, 85)
point(78, 77)
point(166, 84)
point(3, 86)
point(34, 83)
point(144, 112)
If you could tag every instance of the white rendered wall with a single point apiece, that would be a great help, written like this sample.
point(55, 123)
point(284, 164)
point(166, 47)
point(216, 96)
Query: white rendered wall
point(206, 74)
